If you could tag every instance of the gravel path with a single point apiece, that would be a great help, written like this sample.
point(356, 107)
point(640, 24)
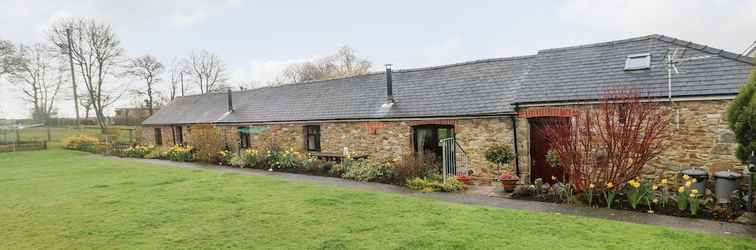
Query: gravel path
point(485, 200)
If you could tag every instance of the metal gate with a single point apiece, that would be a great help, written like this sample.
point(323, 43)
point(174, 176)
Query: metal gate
point(450, 165)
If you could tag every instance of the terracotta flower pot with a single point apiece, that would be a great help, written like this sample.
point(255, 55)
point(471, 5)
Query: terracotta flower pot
point(508, 185)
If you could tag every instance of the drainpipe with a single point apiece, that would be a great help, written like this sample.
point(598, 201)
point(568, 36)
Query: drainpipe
point(514, 131)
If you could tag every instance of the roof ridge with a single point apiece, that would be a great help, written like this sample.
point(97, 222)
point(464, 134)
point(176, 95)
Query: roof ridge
point(706, 49)
point(512, 58)
point(599, 44)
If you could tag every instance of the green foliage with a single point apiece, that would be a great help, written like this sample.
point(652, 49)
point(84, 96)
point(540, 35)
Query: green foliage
point(180, 153)
point(435, 185)
point(365, 170)
point(499, 154)
point(681, 198)
point(81, 142)
point(248, 158)
point(224, 157)
point(741, 118)
point(138, 151)
point(552, 158)
point(638, 191)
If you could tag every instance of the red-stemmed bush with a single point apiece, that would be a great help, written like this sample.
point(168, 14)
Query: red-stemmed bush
point(611, 141)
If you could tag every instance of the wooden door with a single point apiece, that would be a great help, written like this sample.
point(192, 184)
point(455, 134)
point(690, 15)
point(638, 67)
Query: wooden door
point(539, 146)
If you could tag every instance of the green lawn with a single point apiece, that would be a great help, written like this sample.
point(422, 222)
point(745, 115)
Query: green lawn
point(72, 200)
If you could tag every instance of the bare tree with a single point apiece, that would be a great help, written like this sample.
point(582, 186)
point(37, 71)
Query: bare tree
point(342, 64)
point(38, 74)
point(148, 69)
point(348, 64)
point(178, 70)
point(206, 70)
point(7, 50)
point(96, 52)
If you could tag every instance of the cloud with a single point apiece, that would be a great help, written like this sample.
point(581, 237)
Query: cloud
point(724, 24)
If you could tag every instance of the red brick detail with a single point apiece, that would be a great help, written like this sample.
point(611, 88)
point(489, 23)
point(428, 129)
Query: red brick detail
point(548, 112)
point(434, 122)
point(373, 127)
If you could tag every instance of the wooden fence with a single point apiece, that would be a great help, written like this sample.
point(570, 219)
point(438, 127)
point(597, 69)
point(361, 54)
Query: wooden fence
point(22, 146)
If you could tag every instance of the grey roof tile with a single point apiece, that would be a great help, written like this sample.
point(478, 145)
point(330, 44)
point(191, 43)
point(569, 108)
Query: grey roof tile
point(483, 87)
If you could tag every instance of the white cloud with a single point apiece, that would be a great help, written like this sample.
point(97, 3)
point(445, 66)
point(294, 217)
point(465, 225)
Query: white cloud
point(725, 24)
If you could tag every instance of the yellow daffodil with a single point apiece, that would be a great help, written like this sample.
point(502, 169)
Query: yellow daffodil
point(686, 177)
point(688, 183)
point(591, 185)
point(654, 187)
point(681, 189)
point(609, 185)
point(694, 191)
point(694, 180)
point(692, 195)
point(664, 181)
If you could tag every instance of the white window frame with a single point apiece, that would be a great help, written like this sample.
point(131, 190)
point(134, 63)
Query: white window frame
point(647, 56)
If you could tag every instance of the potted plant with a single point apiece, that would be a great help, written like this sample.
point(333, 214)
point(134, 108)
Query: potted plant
point(464, 179)
point(508, 180)
point(499, 154)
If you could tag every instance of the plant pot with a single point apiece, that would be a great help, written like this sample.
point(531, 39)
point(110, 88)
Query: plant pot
point(465, 180)
point(508, 185)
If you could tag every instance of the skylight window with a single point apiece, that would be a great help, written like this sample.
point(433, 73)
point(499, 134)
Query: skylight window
point(638, 61)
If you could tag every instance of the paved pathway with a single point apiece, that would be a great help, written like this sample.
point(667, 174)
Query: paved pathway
point(485, 200)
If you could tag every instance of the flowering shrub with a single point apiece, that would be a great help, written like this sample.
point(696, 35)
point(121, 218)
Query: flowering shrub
point(180, 153)
point(639, 191)
point(508, 176)
point(283, 160)
point(247, 158)
point(224, 157)
point(81, 142)
point(138, 151)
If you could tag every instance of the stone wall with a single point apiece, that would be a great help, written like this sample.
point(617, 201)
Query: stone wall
point(702, 138)
point(379, 139)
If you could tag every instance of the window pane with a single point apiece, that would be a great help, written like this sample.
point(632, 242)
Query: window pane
point(642, 61)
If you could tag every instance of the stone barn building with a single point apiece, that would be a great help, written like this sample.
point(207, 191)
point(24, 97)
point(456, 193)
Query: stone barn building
point(479, 103)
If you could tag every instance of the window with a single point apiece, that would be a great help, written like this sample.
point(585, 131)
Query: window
point(244, 140)
point(638, 61)
point(178, 135)
point(426, 138)
point(158, 137)
point(312, 138)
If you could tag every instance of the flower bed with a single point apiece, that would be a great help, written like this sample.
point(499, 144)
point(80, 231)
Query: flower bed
point(658, 196)
point(416, 171)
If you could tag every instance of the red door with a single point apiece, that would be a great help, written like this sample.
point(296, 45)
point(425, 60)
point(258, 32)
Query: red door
point(539, 146)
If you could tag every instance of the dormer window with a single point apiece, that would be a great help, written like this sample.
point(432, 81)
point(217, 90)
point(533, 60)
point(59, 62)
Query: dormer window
point(638, 62)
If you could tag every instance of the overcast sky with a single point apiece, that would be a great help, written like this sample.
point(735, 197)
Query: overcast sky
point(256, 39)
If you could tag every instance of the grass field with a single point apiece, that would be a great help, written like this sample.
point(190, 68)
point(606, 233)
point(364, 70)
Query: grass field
point(58, 133)
point(72, 200)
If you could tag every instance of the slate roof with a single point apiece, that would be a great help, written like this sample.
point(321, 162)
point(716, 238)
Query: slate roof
point(477, 88)
point(582, 72)
point(484, 87)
